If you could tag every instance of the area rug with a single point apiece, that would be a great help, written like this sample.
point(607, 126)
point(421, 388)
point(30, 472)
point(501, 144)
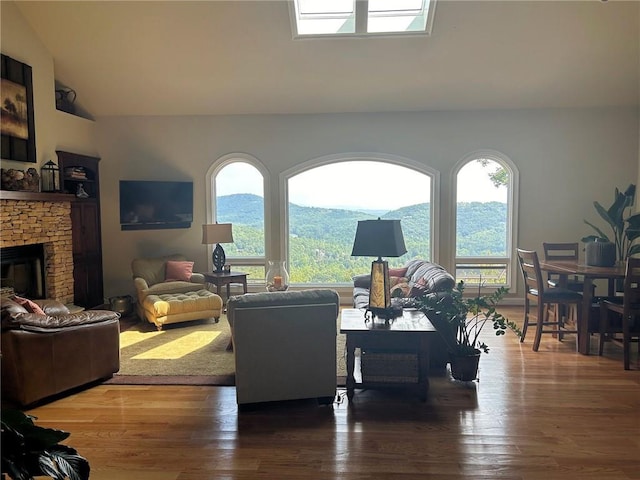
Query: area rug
point(188, 353)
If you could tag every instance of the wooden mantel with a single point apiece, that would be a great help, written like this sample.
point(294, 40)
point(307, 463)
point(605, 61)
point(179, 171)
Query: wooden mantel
point(36, 196)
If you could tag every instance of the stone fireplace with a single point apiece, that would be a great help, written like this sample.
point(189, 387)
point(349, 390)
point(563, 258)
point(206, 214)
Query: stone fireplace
point(23, 270)
point(42, 219)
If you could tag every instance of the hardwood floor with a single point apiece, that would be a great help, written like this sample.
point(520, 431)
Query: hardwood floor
point(551, 414)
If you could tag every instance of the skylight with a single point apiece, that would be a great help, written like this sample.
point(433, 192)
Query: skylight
point(397, 15)
point(361, 17)
point(325, 17)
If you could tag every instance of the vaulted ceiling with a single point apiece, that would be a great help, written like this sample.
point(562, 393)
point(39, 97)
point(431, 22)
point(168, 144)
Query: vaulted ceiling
point(240, 57)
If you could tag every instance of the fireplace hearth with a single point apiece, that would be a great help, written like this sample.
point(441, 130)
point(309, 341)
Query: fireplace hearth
point(23, 270)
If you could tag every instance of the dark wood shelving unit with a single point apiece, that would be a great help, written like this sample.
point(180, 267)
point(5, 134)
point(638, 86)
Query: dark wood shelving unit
point(85, 221)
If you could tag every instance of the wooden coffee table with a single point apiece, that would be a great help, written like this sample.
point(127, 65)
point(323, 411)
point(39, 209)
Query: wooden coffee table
point(402, 337)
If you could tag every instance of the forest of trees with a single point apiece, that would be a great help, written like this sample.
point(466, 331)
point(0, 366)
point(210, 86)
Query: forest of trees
point(321, 239)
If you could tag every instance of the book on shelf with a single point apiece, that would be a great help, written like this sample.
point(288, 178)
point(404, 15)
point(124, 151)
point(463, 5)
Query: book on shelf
point(75, 173)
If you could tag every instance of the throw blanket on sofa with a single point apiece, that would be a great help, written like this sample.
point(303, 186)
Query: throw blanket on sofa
point(415, 279)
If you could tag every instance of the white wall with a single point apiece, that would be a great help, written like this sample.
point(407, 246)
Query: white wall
point(566, 159)
point(55, 130)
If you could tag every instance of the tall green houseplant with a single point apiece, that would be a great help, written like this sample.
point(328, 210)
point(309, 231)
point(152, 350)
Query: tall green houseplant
point(625, 227)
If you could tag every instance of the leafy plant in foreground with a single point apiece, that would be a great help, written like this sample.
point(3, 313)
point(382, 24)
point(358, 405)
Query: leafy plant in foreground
point(29, 450)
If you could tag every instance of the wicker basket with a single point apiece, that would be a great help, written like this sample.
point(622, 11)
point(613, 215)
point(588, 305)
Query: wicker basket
point(389, 367)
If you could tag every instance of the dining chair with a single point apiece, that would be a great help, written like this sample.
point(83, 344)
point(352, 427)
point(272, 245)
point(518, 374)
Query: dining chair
point(620, 316)
point(563, 251)
point(538, 293)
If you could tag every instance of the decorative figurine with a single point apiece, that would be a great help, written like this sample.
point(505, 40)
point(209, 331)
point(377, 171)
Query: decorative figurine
point(80, 192)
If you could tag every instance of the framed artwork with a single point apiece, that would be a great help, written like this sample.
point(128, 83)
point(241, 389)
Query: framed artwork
point(16, 112)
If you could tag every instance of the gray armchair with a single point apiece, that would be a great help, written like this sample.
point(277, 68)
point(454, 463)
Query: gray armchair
point(285, 345)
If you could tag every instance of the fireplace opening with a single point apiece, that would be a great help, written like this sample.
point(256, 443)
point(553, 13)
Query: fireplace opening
point(23, 270)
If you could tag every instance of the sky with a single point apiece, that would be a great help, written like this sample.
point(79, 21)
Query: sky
point(361, 185)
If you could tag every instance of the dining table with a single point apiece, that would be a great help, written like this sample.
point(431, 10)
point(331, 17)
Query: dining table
point(564, 268)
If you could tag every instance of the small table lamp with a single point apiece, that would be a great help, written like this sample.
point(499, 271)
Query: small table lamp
point(378, 238)
point(217, 233)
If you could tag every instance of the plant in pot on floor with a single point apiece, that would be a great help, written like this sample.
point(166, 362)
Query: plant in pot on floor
point(460, 320)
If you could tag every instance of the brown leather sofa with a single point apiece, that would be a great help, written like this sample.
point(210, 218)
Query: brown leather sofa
point(44, 355)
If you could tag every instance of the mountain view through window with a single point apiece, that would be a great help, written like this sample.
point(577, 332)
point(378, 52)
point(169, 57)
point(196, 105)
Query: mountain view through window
point(324, 210)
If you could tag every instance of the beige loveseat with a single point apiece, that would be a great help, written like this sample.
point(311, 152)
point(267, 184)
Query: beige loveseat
point(161, 301)
point(285, 345)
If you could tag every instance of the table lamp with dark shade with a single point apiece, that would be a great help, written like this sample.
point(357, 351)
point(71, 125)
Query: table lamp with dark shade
point(379, 238)
point(217, 233)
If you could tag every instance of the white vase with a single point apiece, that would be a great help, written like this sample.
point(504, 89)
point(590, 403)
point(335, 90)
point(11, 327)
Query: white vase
point(277, 276)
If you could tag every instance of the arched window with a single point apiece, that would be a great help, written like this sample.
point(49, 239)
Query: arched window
point(485, 219)
point(327, 197)
point(236, 193)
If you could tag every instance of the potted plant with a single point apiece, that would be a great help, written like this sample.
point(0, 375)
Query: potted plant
point(625, 228)
point(29, 450)
point(460, 320)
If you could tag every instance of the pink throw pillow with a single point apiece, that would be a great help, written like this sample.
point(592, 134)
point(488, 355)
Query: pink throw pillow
point(178, 271)
point(398, 272)
point(30, 306)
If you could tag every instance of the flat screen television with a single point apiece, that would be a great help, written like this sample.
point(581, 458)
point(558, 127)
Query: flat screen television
point(151, 205)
